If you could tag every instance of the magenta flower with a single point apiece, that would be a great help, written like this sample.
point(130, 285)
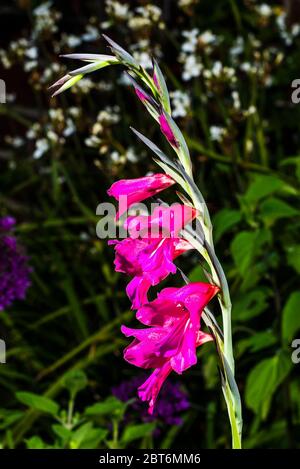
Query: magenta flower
point(148, 261)
point(167, 131)
point(131, 191)
point(171, 341)
point(153, 243)
point(165, 222)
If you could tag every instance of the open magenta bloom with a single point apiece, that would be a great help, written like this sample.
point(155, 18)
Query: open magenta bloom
point(170, 343)
point(148, 261)
point(165, 221)
point(131, 191)
point(148, 254)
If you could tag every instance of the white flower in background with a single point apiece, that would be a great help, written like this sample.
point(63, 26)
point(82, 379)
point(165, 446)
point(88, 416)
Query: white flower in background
point(84, 85)
point(72, 41)
point(49, 72)
point(84, 236)
point(295, 29)
point(117, 9)
point(151, 11)
point(109, 115)
point(217, 133)
point(191, 38)
point(236, 100)
point(52, 136)
point(250, 111)
point(192, 67)
point(264, 10)
point(56, 114)
point(131, 155)
point(237, 48)
point(208, 38)
point(91, 34)
point(286, 35)
point(104, 85)
point(15, 142)
point(124, 80)
point(115, 156)
point(247, 67)
point(74, 111)
point(185, 3)
point(70, 128)
point(31, 53)
point(43, 9)
point(33, 132)
point(93, 141)
point(6, 62)
point(138, 22)
point(30, 65)
point(217, 68)
point(41, 147)
point(180, 103)
point(144, 59)
point(45, 19)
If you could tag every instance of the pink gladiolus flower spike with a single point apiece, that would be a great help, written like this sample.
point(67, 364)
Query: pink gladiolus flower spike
point(131, 191)
point(170, 343)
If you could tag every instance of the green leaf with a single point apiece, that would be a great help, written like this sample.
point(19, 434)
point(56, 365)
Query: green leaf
point(61, 431)
point(41, 403)
point(224, 220)
point(291, 317)
point(262, 186)
point(273, 209)
point(293, 257)
point(293, 160)
point(75, 381)
point(135, 432)
point(35, 442)
point(251, 304)
point(8, 417)
point(87, 437)
point(245, 247)
point(94, 438)
point(263, 381)
point(256, 342)
point(110, 406)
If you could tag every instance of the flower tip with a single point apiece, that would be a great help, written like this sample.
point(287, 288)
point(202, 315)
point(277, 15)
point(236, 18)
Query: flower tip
point(107, 39)
point(55, 93)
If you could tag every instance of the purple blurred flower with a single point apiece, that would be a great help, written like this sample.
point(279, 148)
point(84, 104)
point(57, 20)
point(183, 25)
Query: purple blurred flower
point(14, 269)
point(170, 403)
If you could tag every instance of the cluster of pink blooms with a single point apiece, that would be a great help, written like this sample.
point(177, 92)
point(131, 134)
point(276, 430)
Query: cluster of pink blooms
point(173, 318)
